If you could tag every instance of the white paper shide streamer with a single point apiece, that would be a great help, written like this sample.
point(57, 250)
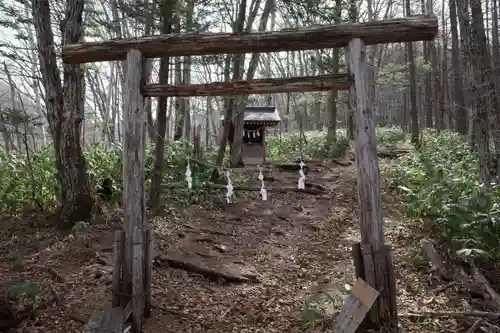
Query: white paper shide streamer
point(301, 185)
point(229, 188)
point(189, 179)
point(263, 190)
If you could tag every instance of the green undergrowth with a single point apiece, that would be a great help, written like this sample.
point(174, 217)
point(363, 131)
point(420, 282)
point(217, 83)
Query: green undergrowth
point(390, 135)
point(440, 183)
point(26, 184)
point(29, 183)
point(313, 144)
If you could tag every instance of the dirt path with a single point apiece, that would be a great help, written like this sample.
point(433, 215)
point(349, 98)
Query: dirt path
point(293, 243)
point(289, 241)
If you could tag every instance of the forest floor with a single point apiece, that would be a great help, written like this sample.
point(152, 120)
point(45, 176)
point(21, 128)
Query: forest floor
point(287, 246)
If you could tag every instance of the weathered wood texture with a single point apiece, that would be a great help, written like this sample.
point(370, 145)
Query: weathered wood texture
point(415, 28)
point(257, 86)
point(377, 266)
point(118, 258)
point(367, 167)
point(355, 307)
point(368, 269)
point(211, 267)
point(134, 206)
point(111, 320)
point(365, 262)
point(148, 274)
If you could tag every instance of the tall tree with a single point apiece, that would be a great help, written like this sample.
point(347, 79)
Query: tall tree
point(167, 9)
point(333, 98)
point(230, 105)
point(458, 89)
point(480, 65)
point(186, 73)
point(413, 85)
point(65, 109)
point(464, 25)
point(241, 102)
point(428, 78)
point(443, 87)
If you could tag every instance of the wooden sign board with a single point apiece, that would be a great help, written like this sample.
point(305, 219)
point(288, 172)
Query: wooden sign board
point(355, 308)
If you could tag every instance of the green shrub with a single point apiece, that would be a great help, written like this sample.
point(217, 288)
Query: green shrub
point(23, 183)
point(290, 146)
point(19, 183)
point(440, 182)
point(390, 135)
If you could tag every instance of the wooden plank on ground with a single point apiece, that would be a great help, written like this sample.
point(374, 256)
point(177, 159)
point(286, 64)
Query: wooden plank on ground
point(355, 307)
point(111, 320)
point(211, 268)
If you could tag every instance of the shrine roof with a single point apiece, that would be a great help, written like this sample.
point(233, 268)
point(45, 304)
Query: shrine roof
point(261, 114)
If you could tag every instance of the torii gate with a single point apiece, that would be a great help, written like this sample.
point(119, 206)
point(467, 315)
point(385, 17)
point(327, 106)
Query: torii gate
point(372, 257)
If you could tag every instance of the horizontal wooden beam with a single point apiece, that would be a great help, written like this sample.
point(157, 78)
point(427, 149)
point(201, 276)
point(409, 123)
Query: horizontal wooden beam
point(257, 86)
point(407, 29)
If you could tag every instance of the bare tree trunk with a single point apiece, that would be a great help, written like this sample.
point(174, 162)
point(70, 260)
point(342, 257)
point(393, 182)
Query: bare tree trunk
point(5, 133)
point(464, 24)
point(316, 70)
point(236, 149)
point(458, 87)
point(109, 129)
point(120, 28)
point(428, 79)
point(186, 79)
point(36, 82)
point(179, 101)
point(331, 136)
point(434, 77)
point(304, 114)
point(115, 105)
point(269, 58)
point(443, 78)
point(167, 9)
point(415, 132)
point(65, 110)
point(495, 63)
point(228, 114)
point(148, 67)
point(480, 85)
point(207, 122)
point(186, 74)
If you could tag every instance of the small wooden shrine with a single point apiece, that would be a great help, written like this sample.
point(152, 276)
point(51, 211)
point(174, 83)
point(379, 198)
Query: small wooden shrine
point(257, 118)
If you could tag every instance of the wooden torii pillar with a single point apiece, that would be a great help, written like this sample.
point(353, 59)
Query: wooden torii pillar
point(372, 258)
point(137, 243)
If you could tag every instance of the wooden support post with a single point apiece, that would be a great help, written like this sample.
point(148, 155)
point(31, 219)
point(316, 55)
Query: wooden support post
point(351, 107)
point(376, 264)
point(118, 258)
point(133, 189)
point(148, 273)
